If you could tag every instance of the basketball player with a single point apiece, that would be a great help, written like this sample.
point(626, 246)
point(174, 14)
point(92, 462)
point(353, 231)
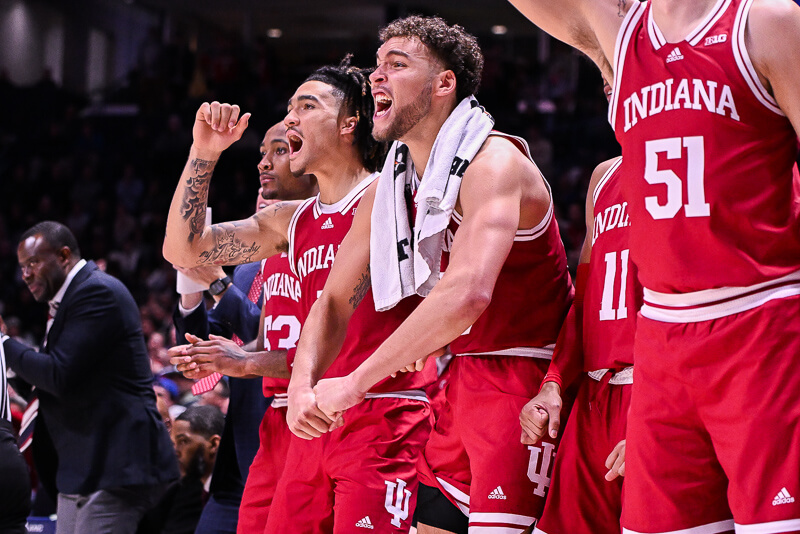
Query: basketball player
point(329, 125)
point(706, 108)
point(279, 327)
point(597, 339)
point(505, 285)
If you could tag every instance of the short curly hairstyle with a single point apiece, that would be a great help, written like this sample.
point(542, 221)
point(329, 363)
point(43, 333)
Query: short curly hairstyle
point(452, 45)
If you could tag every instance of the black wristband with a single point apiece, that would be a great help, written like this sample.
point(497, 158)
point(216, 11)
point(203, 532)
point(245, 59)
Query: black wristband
point(219, 285)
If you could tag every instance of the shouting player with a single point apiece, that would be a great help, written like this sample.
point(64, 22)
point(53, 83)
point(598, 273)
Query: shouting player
point(329, 133)
point(503, 293)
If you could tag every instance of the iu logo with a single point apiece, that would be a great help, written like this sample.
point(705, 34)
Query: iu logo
point(400, 507)
point(539, 473)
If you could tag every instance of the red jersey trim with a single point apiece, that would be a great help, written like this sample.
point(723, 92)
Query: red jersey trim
point(711, 304)
point(744, 63)
point(531, 233)
point(620, 51)
point(605, 179)
point(349, 200)
point(656, 37)
point(293, 229)
point(528, 234)
point(713, 16)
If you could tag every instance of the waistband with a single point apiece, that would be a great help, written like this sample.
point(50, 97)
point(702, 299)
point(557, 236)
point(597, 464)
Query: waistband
point(620, 378)
point(281, 400)
point(711, 304)
point(544, 353)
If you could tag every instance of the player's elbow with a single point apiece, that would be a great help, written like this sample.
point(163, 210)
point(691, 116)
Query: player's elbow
point(475, 298)
point(174, 255)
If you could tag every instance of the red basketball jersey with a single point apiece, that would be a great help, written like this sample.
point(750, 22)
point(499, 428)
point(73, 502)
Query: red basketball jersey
point(708, 158)
point(315, 233)
point(613, 295)
point(531, 296)
point(282, 313)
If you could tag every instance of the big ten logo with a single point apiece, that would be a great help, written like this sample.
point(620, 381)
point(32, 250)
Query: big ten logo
point(714, 39)
point(539, 466)
point(397, 501)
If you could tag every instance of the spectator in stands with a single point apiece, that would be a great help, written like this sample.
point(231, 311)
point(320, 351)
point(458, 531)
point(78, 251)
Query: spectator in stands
point(196, 435)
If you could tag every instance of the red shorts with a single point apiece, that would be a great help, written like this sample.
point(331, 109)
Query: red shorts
point(266, 469)
point(359, 478)
point(714, 426)
point(581, 500)
point(475, 456)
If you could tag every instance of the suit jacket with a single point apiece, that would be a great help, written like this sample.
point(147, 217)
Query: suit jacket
point(233, 314)
point(95, 390)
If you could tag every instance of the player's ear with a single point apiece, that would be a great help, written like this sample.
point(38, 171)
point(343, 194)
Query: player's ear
point(445, 83)
point(349, 124)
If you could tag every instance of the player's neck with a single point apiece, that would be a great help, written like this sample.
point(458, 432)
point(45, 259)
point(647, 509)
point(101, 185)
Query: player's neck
point(677, 18)
point(421, 137)
point(336, 182)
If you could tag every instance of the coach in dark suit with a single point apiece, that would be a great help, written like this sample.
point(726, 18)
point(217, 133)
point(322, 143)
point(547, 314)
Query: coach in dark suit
point(233, 313)
point(114, 457)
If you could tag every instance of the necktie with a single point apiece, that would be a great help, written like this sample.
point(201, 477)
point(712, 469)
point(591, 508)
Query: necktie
point(28, 422)
point(206, 384)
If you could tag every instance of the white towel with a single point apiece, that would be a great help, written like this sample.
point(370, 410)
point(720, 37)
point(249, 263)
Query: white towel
point(392, 241)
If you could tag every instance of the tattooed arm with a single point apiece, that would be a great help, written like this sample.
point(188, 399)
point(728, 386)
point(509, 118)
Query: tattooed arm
point(591, 26)
point(188, 241)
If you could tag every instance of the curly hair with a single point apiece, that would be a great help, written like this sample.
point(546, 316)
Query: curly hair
point(452, 45)
point(351, 87)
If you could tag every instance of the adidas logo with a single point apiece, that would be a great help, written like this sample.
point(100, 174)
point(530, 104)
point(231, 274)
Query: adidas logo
point(327, 224)
point(497, 493)
point(782, 497)
point(675, 55)
point(365, 522)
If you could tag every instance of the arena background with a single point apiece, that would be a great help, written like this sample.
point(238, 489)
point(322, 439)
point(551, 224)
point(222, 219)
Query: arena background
point(97, 98)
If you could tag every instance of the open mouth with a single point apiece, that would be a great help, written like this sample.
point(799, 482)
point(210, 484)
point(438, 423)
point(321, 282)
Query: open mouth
point(382, 104)
point(295, 143)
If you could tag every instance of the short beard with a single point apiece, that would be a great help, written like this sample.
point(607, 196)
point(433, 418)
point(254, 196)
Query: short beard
point(408, 117)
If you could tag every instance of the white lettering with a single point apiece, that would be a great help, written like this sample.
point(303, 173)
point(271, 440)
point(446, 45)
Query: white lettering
point(703, 96)
point(683, 94)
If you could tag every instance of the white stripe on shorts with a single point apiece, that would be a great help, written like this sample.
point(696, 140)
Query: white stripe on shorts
point(769, 528)
point(710, 528)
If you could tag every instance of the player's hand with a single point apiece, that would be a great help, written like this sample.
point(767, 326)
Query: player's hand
point(202, 358)
point(184, 364)
point(304, 417)
point(615, 463)
point(542, 415)
point(217, 126)
point(419, 365)
point(335, 395)
point(202, 274)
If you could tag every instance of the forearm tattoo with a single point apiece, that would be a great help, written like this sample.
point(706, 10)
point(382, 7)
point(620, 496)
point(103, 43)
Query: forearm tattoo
point(195, 195)
point(228, 249)
point(360, 291)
